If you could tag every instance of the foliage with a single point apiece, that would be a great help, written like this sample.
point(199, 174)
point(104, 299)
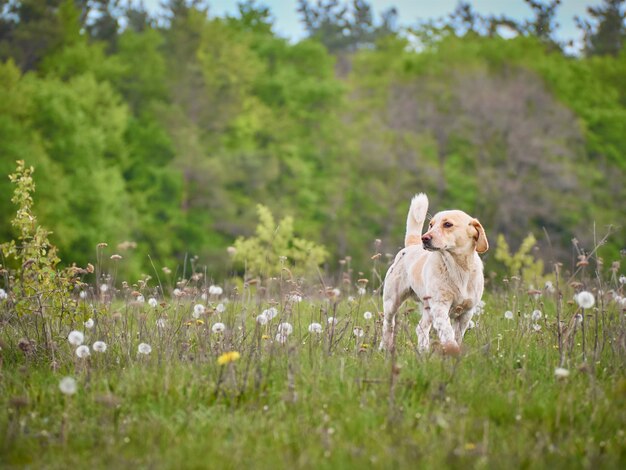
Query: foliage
point(37, 287)
point(523, 263)
point(275, 247)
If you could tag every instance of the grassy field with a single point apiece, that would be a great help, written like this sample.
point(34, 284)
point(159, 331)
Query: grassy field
point(308, 399)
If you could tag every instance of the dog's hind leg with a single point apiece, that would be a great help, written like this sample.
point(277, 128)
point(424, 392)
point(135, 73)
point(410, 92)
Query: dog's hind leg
point(395, 292)
point(460, 325)
point(423, 329)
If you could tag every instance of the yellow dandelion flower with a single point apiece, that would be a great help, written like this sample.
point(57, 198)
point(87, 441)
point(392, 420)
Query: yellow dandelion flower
point(265, 337)
point(470, 446)
point(188, 323)
point(199, 322)
point(228, 357)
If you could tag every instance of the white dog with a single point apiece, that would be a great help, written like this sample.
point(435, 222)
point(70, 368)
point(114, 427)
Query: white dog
point(442, 270)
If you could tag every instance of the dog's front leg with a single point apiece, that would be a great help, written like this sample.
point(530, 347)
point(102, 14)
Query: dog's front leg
point(461, 324)
point(440, 312)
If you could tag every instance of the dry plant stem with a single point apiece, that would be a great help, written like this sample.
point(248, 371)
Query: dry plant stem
point(558, 301)
point(582, 329)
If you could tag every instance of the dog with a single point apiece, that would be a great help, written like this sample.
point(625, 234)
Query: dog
point(442, 270)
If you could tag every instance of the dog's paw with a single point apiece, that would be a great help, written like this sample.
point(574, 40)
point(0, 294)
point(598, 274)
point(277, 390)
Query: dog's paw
point(451, 348)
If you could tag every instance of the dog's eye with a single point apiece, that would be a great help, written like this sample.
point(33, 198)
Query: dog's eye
point(447, 224)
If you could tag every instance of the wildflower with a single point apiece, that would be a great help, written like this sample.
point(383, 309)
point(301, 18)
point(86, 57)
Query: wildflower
point(367, 315)
point(261, 319)
point(536, 315)
point(358, 332)
point(82, 351)
point(295, 298)
point(549, 287)
point(536, 326)
point(227, 357)
point(215, 290)
point(199, 322)
point(198, 310)
point(104, 288)
point(76, 338)
point(67, 385)
point(361, 291)
point(622, 279)
point(282, 339)
point(265, 337)
point(220, 308)
point(99, 346)
point(578, 319)
point(140, 299)
point(508, 315)
point(561, 373)
point(471, 325)
point(177, 292)
point(332, 321)
point(3, 295)
point(116, 257)
point(218, 327)
point(166, 270)
point(231, 250)
point(161, 323)
point(83, 294)
point(153, 302)
point(285, 328)
point(270, 313)
point(585, 299)
point(315, 328)
point(89, 324)
point(335, 292)
point(351, 299)
point(144, 348)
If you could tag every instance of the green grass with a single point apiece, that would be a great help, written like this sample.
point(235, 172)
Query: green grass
point(318, 401)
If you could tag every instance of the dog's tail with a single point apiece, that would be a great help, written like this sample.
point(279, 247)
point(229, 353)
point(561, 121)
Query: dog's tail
point(415, 220)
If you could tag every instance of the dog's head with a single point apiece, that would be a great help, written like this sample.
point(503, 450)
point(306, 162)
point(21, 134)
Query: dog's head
point(455, 231)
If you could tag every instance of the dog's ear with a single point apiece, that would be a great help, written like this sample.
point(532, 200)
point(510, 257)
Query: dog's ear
point(482, 244)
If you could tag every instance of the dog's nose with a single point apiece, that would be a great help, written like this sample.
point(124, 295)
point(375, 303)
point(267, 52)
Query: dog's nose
point(426, 239)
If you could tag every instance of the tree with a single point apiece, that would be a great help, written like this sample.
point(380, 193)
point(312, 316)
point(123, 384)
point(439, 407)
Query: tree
point(606, 35)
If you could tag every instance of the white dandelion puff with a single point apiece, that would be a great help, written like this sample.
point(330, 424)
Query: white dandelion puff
point(585, 299)
point(83, 294)
point(285, 329)
point(153, 302)
point(362, 291)
point(99, 346)
point(76, 338)
point(68, 386)
point(144, 348)
point(367, 315)
point(261, 319)
point(82, 351)
point(270, 313)
point(282, 339)
point(218, 327)
point(177, 292)
point(3, 294)
point(332, 321)
point(221, 308)
point(315, 328)
point(561, 373)
point(549, 287)
point(296, 298)
point(335, 292)
point(204, 296)
point(104, 288)
point(140, 299)
point(215, 290)
point(198, 310)
point(622, 279)
point(536, 315)
point(536, 327)
point(89, 324)
point(358, 332)
point(508, 315)
point(471, 325)
point(161, 323)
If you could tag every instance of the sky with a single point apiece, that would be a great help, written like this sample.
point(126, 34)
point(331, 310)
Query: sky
point(287, 21)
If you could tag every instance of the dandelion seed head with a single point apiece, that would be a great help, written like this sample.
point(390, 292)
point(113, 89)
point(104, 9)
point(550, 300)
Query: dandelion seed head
point(99, 346)
point(144, 348)
point(104, 288)
point(578, 319)
point(198, 310)
point(153, 302)
point(177, 292)
point(362, 291)
point(358, 332)
point(622, 279)
point(367, 315)
point(83, 294)
point(261, 319)
point(549, 287)
point(585, 299)
point(332, 321)
point(315, 328)
point(218, 327)
point(561, 373)
point(161, 323)
point(536, 327)
point(3, 294)
point(82, 351)
point(76, 338)
point(68, 386)
point(221, 308)
point(282, 339)
point(140, 299)
point(508, 315)
point(215, 290)
point(89, 324)
point(270, 313)
point(536, 315)
point(285, 328)
point(295, 298)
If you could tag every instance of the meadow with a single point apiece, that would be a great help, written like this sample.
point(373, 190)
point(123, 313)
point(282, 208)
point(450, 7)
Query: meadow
point(286, 373)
